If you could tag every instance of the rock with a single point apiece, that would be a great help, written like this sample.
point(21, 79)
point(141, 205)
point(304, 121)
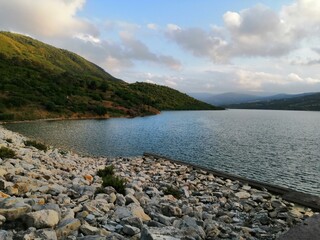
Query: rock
point(121, 200)
point(86, 229)
point(2, 219)
point(121, 212)
point(3, 195)
point(48, 206)
point(66, 227)
point(132, 221)
point(165, 233)
point(42, 219)
point(5, 235)
point(243, 195)
point(138, 211)
point(68, 214)
point(131, 199)
point(45, 234)
point(88, 178)
point(164, 219)
point(13, 208)
point(98, 207)
point(130, 230)
point(171, 211)
point(4, 184)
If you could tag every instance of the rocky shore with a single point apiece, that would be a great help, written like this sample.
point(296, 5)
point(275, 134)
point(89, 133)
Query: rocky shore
point(57, 195)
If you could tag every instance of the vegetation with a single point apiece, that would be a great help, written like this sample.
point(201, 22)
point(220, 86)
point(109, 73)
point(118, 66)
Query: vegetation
point(109, 179)
point(41, 81)
point(7, 153)
point(170, 190)
point(9, 140)
point(308, 103)
point(36, 144)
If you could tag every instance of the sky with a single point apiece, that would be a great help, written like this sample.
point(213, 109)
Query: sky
point(193, 46)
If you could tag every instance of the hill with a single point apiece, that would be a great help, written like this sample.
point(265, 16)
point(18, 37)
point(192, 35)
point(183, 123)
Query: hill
point(306, 101)
point(40, 81)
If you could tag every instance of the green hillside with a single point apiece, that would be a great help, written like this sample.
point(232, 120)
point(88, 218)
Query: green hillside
point(41, 81)
point(308, 103)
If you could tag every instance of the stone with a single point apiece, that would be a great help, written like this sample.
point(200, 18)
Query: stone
point(121, 212)
point(86, 229)
point(165, 233)
point(13, 208)
point(4, 184)
point(132, 221)
point(88, 178)
point(42, 219)
point(4, 195)
point(171, 211)
point(243, 195)
point(67, 214)
point(5, 235)
point(131, 199)
point(121, 200)
point(45, 234)
point(130, 230)
point(66, 227)
point(48, 206)
point(2, 219)
point(138, 211)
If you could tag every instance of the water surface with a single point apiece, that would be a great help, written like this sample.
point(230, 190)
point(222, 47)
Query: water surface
point(279, 147)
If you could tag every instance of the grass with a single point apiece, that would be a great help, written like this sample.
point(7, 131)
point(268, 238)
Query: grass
point(108, 170)
point(170, 190)
point(7, 153)
point(109, 179)
point(36, 144)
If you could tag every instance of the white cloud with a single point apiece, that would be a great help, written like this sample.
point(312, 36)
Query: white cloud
point(232, 19)
point(254, 32)
point(295, 77)
point(44, 18)
point(172, 27)
point(152, 26)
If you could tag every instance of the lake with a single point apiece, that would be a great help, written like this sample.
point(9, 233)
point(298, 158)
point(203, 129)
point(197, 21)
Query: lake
point(278, 147)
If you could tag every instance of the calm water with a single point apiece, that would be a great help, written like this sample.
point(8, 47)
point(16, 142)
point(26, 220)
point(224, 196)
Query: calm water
point(279, 147)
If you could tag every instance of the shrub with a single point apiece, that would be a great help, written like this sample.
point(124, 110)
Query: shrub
point(7, 153)
point(109, 179)
point(6, 116)
point(108, 170)
point(37, 145)
point(170, 190)
point(116, 182)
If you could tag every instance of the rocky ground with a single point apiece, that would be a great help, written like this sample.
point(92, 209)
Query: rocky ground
point(53, 195)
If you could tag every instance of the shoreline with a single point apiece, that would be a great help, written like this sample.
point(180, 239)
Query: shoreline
point(52, 195)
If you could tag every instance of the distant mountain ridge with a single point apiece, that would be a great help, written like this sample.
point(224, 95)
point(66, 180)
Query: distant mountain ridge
point(40, 81)
point(231, 98)
point(307, 102)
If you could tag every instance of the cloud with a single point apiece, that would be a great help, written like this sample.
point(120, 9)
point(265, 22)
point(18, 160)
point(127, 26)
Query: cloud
point(136, 49)
point(44, 18)
point(152, 26)
point(198, 42)
point(254, 32)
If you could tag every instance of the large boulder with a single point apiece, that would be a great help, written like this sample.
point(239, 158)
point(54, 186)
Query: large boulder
point(13, 208)
point(42, 219)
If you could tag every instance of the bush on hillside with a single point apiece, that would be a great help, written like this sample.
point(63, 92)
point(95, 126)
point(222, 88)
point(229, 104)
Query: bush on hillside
point(7, 153)
point(36, 144)
point(109, 179)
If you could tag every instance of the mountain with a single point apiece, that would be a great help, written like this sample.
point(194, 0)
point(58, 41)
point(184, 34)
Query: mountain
point(231, 98)
point(40, 81)
point(305, 101)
